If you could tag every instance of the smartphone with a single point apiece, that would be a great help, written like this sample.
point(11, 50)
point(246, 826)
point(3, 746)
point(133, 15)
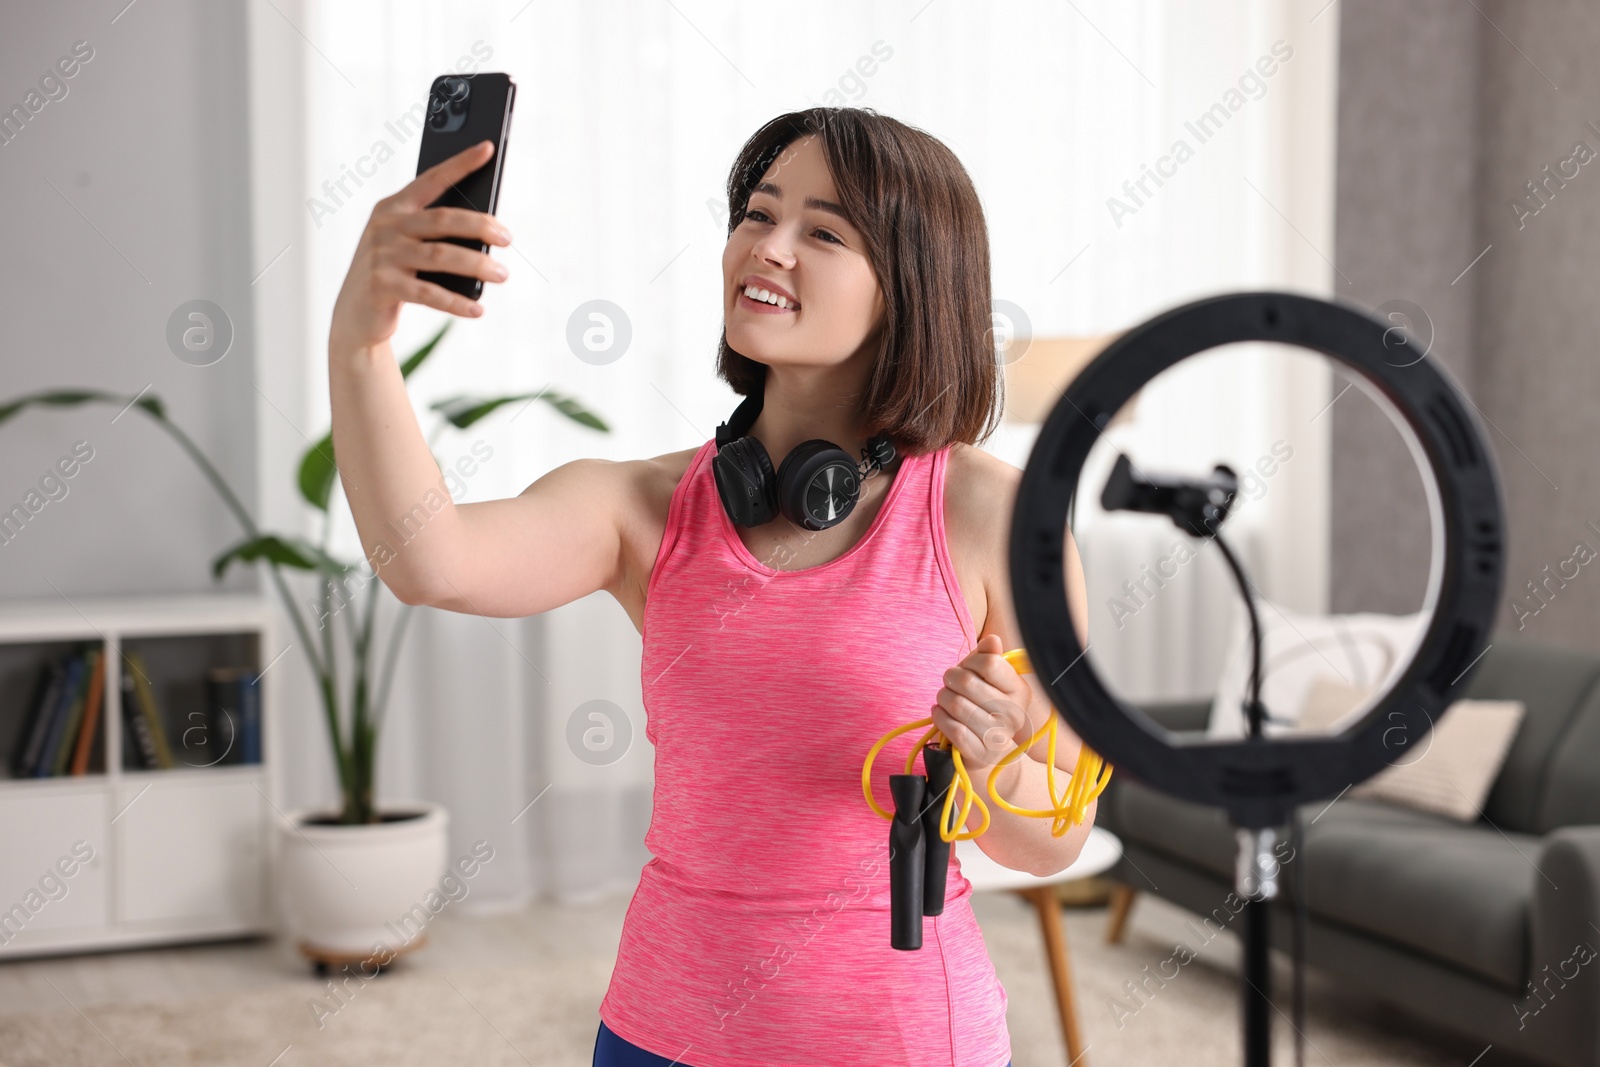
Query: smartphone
point(464, 109)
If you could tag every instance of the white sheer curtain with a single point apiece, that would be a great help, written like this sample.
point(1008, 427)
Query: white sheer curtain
point(628, 117)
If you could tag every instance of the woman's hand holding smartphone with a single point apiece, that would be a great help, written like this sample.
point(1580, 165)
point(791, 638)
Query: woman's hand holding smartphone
point(427, 244)
point(401, 239)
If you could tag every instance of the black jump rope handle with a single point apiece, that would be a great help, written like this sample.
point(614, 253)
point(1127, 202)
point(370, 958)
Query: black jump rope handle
point(919, 858)
point(941, 767)
point(907, 857)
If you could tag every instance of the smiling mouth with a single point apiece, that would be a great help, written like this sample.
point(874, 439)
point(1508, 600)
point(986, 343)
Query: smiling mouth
point(759, 299)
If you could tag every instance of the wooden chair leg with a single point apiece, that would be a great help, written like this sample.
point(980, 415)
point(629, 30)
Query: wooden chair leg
point(1055, 943)
point(1122, 897)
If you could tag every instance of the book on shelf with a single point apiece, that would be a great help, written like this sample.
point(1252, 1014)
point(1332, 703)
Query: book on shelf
point(91, 722)
point(224, 721)
point(36, 726)
point(59, 715)
point(250, 703)
point(151, 736)
point(75, 716)
point(138, 745)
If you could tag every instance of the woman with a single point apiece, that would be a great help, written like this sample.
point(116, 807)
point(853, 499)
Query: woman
point(856, 303)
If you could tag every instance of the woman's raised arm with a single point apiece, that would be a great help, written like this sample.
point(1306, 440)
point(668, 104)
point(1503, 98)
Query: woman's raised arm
point(557, 541)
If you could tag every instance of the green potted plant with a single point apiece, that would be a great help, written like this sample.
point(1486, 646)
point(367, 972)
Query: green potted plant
point(324, 856)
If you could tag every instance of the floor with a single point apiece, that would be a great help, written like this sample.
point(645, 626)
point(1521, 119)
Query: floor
point(506, 985)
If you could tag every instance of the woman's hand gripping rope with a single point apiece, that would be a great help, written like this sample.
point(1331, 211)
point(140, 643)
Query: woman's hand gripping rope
point(1000, 717)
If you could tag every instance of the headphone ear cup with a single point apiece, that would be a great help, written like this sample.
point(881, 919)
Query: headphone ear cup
point(818, 485)
point(746, 482)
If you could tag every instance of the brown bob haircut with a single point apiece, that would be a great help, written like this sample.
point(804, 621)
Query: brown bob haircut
point(936, 379)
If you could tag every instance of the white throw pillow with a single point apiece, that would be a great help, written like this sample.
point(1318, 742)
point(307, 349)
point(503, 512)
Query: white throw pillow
point(1455, 764)
point(1362, 651)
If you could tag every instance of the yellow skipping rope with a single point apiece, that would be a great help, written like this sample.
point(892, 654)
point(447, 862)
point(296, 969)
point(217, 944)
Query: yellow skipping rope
point(1089, 777)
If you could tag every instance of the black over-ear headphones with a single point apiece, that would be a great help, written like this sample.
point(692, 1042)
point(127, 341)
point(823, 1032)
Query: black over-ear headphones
point(816, 485)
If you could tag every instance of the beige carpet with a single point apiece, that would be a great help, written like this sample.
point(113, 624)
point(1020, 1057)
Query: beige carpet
point(469, 1005)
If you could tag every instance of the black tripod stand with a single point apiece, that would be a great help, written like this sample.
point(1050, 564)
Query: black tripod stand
point(1198, 507)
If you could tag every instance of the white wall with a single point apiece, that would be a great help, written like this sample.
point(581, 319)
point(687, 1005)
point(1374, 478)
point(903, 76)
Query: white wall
point(122, 200)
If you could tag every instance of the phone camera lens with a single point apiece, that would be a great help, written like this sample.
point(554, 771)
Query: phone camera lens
point(447, 104)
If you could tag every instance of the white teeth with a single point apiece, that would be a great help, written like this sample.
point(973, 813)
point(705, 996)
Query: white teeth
point(757, 293)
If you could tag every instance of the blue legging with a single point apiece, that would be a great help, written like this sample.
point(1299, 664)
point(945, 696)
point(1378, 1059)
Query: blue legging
point(612, 1051)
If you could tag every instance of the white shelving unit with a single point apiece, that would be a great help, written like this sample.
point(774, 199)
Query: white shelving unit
point(179, 854)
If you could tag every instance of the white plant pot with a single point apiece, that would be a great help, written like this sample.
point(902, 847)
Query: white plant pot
point(349, 890)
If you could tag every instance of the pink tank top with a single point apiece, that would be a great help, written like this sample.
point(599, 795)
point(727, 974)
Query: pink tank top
point(759, 932)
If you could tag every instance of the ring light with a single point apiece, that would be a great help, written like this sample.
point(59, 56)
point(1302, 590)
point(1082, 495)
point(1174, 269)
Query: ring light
point(1259, 780)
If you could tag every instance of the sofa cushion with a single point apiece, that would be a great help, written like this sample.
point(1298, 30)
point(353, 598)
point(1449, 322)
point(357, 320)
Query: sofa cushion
point(1571, 793)
point(1460, 894)
point(1553, 684)
point(1451, 770)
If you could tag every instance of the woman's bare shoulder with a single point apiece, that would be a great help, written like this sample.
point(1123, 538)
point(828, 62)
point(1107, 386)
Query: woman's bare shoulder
point(638, 489)
point(975, 480)
point(979, 488)
point(647, 489)
point(657, 476)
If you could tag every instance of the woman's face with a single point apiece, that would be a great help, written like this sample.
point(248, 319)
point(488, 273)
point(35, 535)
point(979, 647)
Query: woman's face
point(794, 242)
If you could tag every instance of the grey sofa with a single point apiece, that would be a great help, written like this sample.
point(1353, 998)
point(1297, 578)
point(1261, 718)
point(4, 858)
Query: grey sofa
point(1489, 929)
